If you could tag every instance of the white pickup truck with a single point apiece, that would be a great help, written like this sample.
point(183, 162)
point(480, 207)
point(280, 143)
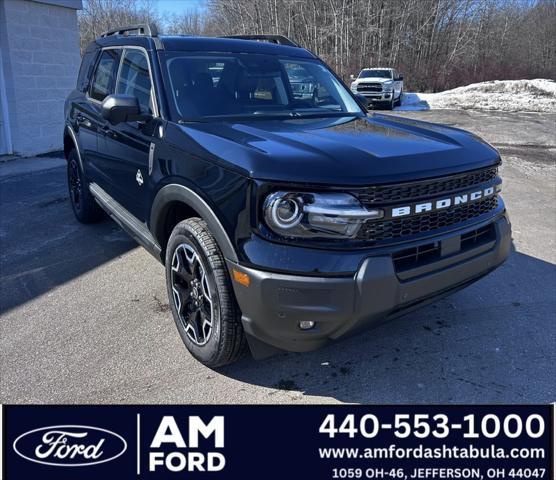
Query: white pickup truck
point(379, 85)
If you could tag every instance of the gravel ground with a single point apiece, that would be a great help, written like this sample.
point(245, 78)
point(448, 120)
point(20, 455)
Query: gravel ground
point(85, 319)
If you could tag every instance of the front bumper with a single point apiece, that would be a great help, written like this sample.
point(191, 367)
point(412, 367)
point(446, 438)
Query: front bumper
point(376, 96)
point(275, 303)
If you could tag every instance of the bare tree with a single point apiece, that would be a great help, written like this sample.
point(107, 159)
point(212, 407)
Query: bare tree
point(99, 16)
point(438, 44)
point(190, 22)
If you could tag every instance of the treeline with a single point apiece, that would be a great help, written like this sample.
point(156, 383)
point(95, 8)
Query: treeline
point(437, 44)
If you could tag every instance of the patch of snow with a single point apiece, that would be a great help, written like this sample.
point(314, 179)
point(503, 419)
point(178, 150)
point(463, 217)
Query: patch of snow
point(414, 101)
point(538, 95)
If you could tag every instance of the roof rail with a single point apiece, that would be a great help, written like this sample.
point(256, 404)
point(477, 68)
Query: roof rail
point(278, 39)
point(141, 29)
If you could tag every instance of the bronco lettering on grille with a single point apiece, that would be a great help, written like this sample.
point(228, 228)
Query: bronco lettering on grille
point(442, 203)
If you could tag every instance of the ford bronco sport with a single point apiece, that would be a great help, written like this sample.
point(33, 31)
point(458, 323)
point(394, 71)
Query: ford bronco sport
point(284, 219)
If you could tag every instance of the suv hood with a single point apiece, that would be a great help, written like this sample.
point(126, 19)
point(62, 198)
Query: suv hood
point(357, 81)
point(340, 151)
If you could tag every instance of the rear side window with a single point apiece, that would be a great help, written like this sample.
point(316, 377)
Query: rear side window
point(103, 79)
point(134, 78)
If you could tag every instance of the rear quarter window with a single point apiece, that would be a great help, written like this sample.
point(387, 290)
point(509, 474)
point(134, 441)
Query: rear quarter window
point(85, 71)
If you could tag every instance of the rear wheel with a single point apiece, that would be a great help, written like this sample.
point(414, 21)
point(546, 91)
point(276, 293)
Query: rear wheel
point(201, 296)
point(84, 206)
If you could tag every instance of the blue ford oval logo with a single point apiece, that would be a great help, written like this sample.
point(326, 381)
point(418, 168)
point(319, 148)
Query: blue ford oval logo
point(70, 445)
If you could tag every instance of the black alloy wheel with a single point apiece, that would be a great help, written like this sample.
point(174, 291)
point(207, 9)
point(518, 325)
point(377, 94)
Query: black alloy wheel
point(201, 295)
point(84, 206)
point(192, 294)
point(75, 184)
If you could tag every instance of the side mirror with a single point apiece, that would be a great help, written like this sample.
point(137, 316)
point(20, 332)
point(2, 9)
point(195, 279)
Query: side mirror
point(400, 77)
point(362, 99)
point(352, 77)
point(118, 108)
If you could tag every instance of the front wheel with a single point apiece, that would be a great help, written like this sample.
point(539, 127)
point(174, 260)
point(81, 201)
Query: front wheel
point(201, 296)
point(399, 100)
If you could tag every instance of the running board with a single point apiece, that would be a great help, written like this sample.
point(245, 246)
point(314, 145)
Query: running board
point(131, 224)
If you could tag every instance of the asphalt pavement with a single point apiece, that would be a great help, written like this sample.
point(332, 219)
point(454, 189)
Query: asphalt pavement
point(84, 316)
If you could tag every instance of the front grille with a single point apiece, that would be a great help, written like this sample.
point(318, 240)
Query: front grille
point(372, 232)
point(302, 87)
point(476, 237)
point(407, 192)
point(416, 256)
point(424, 254)
point(369, 87)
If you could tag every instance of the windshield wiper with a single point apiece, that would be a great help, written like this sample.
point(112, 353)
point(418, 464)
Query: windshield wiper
point(248, 116)
point(326, 114)
point(281, 113)
point(292, 114)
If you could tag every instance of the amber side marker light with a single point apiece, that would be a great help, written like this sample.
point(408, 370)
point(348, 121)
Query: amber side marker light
point(241, 278)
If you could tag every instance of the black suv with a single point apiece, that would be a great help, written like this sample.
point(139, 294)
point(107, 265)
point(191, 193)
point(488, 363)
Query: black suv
point(285, 215)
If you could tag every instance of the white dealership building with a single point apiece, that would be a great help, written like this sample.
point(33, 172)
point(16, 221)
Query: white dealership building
point(39, 61)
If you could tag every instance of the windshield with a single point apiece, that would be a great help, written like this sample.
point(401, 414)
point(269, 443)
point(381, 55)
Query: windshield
point(225, 85)
point(376, 74)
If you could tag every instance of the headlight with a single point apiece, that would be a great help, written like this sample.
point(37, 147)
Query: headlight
point(284, 211)
point(388, 86)
point(313, 215)
point(353, 86)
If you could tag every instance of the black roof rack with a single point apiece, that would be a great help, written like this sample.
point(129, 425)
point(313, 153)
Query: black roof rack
point(140, 29)
point(278, 39)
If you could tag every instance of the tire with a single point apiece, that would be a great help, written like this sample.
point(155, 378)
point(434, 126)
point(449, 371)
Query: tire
point(399, 100)
point(199, 286)
point(84, 206)
point(391, 103)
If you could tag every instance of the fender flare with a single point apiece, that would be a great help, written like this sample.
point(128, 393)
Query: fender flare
point(69, 128)
point(178, 193)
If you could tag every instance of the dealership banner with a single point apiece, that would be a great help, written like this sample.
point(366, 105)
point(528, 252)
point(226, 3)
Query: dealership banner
point(277, 442)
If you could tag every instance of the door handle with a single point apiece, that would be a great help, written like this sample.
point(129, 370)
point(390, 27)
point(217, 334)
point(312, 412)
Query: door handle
point(106, 130)
point(81, 120)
